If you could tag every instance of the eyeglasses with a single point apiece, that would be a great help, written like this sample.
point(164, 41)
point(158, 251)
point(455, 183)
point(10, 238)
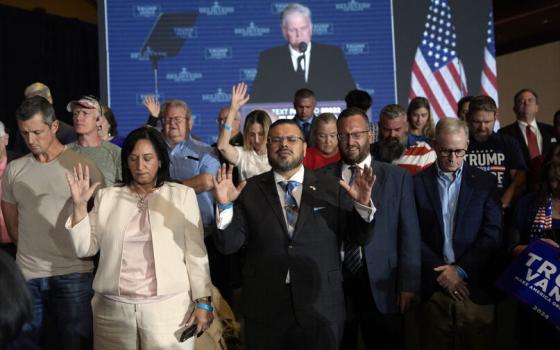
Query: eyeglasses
point(353, 135)
point(292, 139)
point(457, 152)
point(174, 120)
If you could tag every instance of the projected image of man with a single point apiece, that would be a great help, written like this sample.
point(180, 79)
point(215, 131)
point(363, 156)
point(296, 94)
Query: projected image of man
point(300, 63)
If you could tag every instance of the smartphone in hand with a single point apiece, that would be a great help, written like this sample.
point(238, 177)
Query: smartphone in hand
point(187, 333)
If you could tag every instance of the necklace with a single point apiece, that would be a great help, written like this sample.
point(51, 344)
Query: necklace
point(142, 203)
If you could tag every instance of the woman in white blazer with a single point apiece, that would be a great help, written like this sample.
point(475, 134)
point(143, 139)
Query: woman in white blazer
point(153, 280)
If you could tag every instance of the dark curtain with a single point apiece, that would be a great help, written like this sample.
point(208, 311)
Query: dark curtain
point(59, 52)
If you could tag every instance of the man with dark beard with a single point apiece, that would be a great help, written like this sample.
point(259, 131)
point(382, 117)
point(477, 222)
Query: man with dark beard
point(291, 221)
point(384, 283)
point(396, 147)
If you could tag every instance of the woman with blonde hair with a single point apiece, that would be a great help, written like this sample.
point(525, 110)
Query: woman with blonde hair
point(251, 159)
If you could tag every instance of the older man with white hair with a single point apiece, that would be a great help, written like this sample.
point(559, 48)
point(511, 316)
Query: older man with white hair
point(301, 64)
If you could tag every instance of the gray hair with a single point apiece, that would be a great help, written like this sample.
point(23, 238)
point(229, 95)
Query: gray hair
point(37, 89)
point(450, 125)
point(295, 9)
point(176, 103)
point(2, 130)
point(392, 111)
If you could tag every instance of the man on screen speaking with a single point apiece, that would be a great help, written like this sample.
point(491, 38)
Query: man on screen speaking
point(284, 69)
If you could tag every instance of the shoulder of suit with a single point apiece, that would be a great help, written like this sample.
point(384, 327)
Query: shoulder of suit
point(545, 126)
point(481, 175)
point(508, 128)
point(390, 169)
point(275, 50)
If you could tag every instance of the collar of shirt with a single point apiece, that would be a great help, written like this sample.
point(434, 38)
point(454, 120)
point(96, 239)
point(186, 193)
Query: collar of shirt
point(300, 121)
point(523, 125)
point(298, 176)
point(294, 54)
point(448, 176)
point(346, 173)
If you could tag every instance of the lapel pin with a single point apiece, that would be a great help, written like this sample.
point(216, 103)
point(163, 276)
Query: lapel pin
point(312, 187)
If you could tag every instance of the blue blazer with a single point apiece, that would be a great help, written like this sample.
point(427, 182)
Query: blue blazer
point(477, 234)
point(393, 253)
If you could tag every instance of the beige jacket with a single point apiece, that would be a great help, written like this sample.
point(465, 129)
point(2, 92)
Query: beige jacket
point(181, 262)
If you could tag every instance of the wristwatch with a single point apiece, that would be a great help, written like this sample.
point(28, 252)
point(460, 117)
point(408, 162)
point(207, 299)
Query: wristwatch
point(204, 300)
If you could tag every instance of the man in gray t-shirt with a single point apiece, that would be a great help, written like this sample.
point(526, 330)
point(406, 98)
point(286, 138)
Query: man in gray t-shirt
point(86, 113)
point(36, 203)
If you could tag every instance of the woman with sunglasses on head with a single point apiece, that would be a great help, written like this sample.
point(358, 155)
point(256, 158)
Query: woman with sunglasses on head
point(153, 279)
point(251, 159)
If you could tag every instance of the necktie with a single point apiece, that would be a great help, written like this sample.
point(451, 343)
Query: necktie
point(306, 130)
point(291, 206)
point(352, 258)
point(300, 67)
point(532, 143)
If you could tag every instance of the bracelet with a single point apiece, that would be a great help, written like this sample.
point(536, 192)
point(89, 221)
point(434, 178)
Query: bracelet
point(206, 307)
point(227, 127)
point(225, 206)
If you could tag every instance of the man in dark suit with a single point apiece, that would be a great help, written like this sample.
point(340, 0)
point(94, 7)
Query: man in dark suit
point(291, 221)
point(534, 137)
point(284, 69)
point(460, 222)
point(387, 279)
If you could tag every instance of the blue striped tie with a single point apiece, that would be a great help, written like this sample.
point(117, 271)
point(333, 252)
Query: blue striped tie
point(291, 204)
point(352, 258)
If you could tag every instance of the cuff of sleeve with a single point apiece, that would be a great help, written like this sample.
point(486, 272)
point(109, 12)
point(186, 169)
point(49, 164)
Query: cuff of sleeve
point(223, 218)
point(461, 272)
point(366, 212)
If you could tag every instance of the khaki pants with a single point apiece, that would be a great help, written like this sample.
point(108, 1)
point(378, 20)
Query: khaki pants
point(148, 326)
point(449, 324)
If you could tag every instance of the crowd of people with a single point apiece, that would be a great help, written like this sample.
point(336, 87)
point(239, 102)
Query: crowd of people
point(320, 232)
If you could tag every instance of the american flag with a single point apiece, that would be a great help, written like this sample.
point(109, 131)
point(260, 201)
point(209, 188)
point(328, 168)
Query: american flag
point(542, 221)
point(437, 72)
point(488, 77)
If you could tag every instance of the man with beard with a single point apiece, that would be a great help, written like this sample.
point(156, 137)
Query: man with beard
point(495, 153)
point(291, 221)
point(382, 286)
point(396, 147)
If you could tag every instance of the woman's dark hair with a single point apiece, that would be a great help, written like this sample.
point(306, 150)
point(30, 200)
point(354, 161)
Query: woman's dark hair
point(545, 191)
point(151, 134)
point(15, 300)
point(110, 116)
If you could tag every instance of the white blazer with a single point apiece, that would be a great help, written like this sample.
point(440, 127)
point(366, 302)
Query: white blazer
point(181, 262)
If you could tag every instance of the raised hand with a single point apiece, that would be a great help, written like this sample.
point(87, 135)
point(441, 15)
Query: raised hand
point(79, 183)
point(360, 189)
point(225, 191)
point(152, 104)
point(238, 96)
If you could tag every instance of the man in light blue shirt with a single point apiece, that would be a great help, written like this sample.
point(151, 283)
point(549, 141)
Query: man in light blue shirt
point(193, 163)
point(460, 222)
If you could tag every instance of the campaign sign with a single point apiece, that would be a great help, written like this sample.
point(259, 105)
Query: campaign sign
point(534, 279)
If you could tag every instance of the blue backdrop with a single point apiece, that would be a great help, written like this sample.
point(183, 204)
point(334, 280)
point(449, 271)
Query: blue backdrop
point(222, 48)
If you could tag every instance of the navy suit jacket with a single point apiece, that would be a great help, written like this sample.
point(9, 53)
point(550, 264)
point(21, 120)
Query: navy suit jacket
point(547, 133)
point(312, 255)
point(393, 253)
point(276, 80)
point(477, 232)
